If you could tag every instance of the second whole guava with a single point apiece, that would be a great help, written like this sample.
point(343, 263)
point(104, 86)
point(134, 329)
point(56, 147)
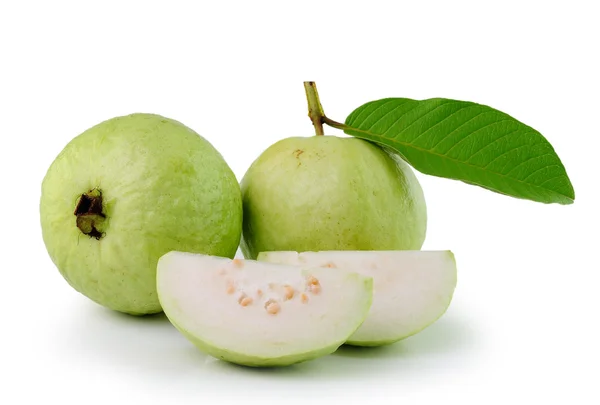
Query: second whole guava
point(331, 193)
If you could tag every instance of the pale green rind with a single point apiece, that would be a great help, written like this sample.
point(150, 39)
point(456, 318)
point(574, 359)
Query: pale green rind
point(214, 350)
point(164, 188)
point(331, 193)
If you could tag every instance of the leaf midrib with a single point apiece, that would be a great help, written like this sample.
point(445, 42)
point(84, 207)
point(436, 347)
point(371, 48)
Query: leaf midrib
point(393, 140)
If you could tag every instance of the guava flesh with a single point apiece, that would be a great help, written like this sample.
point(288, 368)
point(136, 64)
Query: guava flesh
point(331, 193)
point(127, 191)
point(261, 314)
point(411, 289)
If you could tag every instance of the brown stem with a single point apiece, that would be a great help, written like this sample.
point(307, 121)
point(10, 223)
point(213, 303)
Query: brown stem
point(315, 110)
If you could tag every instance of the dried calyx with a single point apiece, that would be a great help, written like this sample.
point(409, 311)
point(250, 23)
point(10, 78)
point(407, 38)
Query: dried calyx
point(90, 216)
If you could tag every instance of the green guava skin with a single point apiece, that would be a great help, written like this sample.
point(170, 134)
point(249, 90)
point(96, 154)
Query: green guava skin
point(331, 193)
point(163, 188)
point(242, 359)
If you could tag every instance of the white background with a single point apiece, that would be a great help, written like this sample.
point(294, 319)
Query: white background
point(523, 326)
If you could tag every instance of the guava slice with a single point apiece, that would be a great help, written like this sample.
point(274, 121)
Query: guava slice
point(411, 288)
point(261, 314)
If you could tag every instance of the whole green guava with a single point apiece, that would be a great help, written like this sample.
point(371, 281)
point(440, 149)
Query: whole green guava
point(331, 193)
point(127, 191)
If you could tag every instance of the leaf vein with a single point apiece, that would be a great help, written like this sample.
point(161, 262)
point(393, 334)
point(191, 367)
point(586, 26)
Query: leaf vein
point(438, 123)
point(551, 178)
point(541, 168)
point(474, 132)
point(388, 113)
point(421, 117)
point(493, 142)
point(501, 155)
point(529, 160)
point(377, 109)
point(456, 129)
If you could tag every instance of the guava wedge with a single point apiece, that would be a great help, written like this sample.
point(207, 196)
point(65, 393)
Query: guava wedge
point(411, 288)
point(261, 314)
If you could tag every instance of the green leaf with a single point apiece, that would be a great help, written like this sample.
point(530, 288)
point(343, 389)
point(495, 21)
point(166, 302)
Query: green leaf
point(466, 141)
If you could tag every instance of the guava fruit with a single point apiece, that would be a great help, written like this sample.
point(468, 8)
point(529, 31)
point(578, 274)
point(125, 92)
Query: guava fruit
point(125, 192)
point(261, 314)
point(331, 193)
point(411, 289)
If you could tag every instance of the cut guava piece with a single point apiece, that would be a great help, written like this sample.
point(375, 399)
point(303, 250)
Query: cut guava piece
point(411, 288)
point(261, 314)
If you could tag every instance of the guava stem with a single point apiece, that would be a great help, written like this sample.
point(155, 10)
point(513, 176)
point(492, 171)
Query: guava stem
point(315, 110)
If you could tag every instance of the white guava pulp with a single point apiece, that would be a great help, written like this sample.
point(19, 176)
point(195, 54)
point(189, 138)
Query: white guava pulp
point(331, 193)
point(411, 289)
point(261, 314)
point(127, 191)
